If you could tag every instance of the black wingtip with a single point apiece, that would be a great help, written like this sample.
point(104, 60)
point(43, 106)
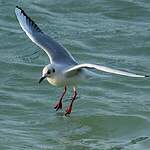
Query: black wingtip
point(146, 76)
point(19, 7)
point(30, 20)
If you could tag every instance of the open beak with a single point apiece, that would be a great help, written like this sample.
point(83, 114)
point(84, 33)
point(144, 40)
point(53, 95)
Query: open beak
point(42, 78)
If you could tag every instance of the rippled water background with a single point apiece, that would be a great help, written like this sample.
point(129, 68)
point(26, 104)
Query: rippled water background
point(112, 113)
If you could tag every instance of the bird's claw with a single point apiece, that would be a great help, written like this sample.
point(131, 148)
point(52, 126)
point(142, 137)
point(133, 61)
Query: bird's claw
point(68, 111)
point(58, 106)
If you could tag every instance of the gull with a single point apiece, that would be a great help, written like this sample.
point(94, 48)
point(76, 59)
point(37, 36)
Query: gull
point(63, 69)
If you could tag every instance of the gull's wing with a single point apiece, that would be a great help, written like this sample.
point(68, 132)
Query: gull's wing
point(56, 52)
point(102, 68)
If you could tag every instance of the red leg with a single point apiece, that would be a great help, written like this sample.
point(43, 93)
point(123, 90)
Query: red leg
point(58, 105)
point(69, 108)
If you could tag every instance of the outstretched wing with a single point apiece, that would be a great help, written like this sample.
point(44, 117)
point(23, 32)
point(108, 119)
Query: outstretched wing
point(102, 68)
point(56, 52)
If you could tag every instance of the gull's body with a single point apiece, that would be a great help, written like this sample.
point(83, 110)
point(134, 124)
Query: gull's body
point(60, 79)
point(63, 69)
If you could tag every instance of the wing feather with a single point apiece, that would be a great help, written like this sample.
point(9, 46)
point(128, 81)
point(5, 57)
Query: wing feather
point(56, 52)
point(103, 68)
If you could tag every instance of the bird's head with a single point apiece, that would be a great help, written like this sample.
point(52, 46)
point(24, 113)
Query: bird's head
point(48, 71)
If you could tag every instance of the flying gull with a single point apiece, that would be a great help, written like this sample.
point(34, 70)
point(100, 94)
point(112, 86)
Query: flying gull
point(63, 69)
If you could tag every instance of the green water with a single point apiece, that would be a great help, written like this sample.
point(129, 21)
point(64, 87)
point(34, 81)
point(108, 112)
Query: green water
point(112, 113)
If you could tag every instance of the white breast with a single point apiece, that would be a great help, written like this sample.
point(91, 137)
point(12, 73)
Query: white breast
point(61, 80)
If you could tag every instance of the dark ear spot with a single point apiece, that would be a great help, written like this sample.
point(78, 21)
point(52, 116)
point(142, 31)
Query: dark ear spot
point(53, 70)
point(48, 72)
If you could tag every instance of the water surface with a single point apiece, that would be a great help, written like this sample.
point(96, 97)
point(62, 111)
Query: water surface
point(110, 113)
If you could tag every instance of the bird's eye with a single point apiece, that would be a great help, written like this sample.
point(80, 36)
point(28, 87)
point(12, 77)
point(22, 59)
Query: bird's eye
point(53, 70)
point(48, 72)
